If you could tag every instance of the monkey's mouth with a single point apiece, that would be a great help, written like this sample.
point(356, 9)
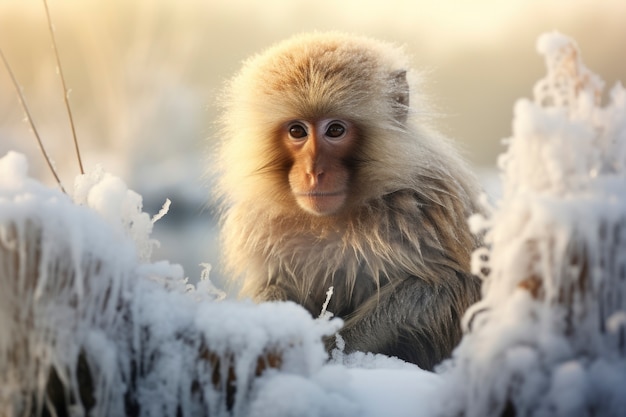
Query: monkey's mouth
point(316, 194)
point(321, 202)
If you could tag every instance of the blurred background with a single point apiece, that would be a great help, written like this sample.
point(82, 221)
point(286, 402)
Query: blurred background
point(144, 76)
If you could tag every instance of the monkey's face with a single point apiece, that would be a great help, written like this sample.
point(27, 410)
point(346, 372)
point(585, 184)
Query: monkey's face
point(319, 176)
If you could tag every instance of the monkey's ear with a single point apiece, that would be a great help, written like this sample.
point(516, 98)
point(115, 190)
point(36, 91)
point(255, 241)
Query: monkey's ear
point(400, 95)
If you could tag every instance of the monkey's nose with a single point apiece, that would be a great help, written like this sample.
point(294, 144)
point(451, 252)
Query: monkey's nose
point(315, 176)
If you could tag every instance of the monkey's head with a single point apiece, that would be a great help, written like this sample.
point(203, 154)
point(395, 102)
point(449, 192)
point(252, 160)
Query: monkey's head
point(319, 119)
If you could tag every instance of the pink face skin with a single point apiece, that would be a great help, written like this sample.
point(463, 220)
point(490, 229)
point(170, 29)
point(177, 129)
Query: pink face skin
point(318, 177)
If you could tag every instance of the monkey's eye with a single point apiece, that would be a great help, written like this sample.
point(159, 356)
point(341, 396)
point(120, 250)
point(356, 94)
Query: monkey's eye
point(297, 131)
point(335, 130)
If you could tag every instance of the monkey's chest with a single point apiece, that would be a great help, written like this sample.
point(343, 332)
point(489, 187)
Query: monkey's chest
point(306, 276)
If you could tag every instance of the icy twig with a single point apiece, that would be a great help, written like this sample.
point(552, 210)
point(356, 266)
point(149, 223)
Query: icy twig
point(325, 314)
point(164, 209)
point(24, 105)
point(65, 89)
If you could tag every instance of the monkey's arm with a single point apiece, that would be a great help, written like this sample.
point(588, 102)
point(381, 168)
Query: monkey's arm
point(414, 320)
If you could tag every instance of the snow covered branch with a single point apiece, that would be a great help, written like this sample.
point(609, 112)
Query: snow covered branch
point(548, 338)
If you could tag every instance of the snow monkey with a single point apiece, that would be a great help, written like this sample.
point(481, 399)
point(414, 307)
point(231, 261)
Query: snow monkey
point(330, 176)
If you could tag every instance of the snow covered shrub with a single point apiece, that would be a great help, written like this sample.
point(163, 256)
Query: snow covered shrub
point(59, 293)
point(549, 336)
point(89, 326)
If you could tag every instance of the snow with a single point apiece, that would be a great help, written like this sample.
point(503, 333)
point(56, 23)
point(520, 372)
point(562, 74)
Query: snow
point(79, 287)
point(122, 208)
point(548, 335)
point(406, 392)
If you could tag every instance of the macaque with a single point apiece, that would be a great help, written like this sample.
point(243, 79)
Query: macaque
point(330, 175)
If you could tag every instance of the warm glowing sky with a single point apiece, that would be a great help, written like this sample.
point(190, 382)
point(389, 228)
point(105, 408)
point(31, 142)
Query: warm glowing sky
point(480, 54)
point(450, 21)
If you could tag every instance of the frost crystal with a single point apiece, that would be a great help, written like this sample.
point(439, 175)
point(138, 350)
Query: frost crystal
point(548, 338)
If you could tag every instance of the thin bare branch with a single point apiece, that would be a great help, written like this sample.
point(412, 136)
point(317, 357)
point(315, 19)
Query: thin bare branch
point(65, 89)
point(22, 100)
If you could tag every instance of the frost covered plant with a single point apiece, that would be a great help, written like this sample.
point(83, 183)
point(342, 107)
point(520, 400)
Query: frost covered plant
point(59, 293)
point(90, 326)
point(549, 336)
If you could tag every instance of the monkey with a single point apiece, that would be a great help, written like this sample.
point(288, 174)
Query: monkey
point(329, 173)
